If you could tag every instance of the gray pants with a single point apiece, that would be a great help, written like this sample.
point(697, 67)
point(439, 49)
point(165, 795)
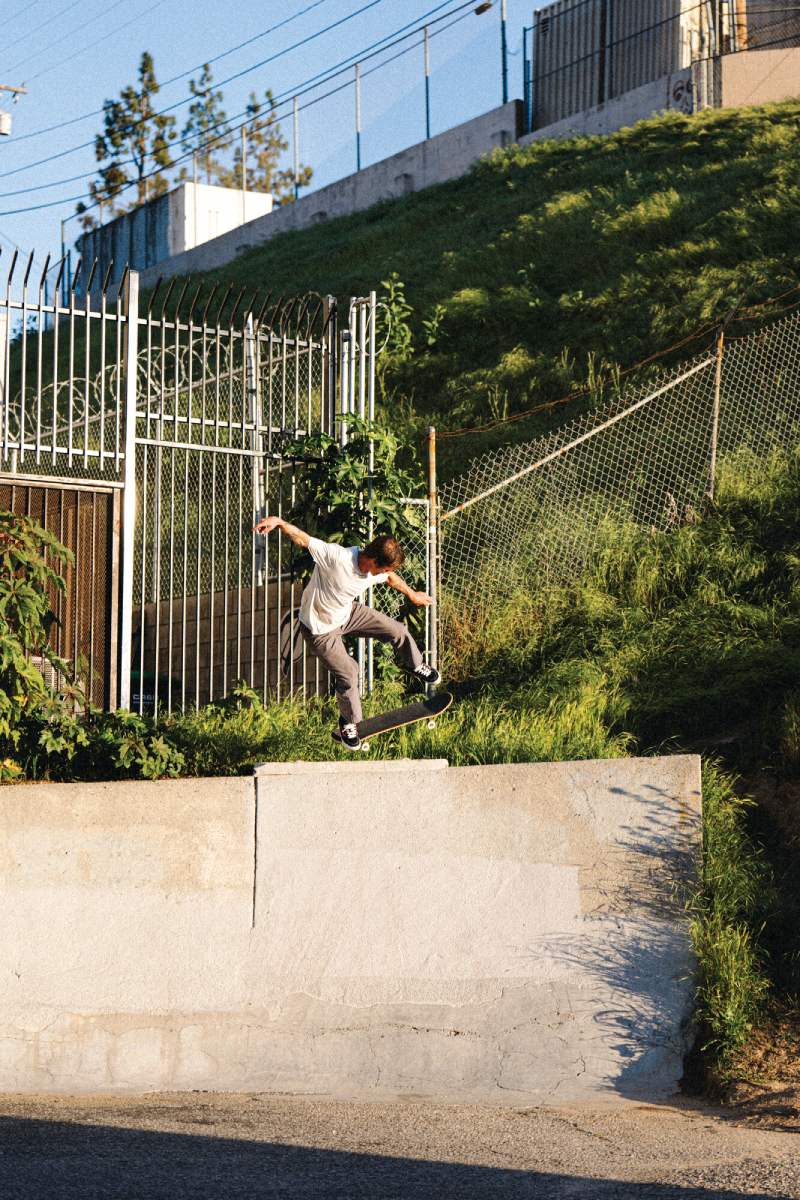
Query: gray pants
point(330, 650)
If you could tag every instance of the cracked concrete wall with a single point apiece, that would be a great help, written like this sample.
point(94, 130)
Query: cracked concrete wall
point(495, 933)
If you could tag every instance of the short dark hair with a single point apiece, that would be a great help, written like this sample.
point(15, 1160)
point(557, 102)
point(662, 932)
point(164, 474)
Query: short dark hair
point(386, 552)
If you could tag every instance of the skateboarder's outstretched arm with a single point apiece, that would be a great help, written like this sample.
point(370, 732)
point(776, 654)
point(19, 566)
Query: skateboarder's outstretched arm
point(298, 536)
point(419, 598)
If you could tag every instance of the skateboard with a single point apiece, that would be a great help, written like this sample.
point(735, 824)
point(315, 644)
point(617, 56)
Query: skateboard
point(291, 643)
point(427, 709)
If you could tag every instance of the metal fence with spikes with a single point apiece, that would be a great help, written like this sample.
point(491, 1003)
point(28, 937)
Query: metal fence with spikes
point(149, 434)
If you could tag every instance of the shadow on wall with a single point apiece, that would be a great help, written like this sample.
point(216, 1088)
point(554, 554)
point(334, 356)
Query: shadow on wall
point(41, 1159)
point(633, 937)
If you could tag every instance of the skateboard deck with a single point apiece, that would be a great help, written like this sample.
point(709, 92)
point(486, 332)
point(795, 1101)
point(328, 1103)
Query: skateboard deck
point(427, 709)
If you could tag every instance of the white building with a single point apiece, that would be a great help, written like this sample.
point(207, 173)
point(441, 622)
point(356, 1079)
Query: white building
point(182, 218)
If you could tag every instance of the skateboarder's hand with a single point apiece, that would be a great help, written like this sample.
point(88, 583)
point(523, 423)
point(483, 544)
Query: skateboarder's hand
point(266, 525)
point(421, 599)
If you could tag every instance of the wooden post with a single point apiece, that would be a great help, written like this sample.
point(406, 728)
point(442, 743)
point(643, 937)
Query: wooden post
point(715, 419)
point(740, 30)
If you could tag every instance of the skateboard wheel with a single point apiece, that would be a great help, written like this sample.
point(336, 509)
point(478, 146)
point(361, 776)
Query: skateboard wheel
point(365, 746)
point(431, 724)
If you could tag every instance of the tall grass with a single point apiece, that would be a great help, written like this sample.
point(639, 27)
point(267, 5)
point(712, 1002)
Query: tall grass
point(734, 898)
point(549, 262)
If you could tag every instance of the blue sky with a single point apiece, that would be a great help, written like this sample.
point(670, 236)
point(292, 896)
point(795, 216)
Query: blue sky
point(73, 54)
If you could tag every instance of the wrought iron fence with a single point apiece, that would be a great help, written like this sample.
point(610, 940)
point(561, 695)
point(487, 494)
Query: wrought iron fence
point(178, 413)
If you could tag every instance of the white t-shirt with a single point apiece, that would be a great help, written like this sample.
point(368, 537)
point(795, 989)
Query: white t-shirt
point(334, 585)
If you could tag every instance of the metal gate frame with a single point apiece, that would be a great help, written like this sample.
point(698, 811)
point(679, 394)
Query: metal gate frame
point(103, 389)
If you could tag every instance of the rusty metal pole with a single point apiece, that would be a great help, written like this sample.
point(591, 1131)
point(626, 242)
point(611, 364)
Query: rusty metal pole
point(740, 25)
point(715, 418)
point(433, 547)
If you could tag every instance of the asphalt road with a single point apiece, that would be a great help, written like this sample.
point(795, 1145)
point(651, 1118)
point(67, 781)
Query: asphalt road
point(223, 1146)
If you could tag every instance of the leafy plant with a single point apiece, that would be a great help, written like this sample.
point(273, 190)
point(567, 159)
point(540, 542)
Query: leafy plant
point(28, 578)
point(399, 339)
point(349, 492)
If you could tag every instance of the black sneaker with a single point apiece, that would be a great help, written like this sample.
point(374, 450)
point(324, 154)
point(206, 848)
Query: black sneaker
point(348, 734)
point(428, 676)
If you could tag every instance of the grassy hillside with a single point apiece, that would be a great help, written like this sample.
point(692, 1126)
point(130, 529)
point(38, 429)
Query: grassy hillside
point(549, 262)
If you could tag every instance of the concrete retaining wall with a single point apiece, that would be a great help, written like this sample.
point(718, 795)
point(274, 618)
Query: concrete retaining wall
point(670, 93)
point(443, 157)
point(759, 76)
point(495, 933)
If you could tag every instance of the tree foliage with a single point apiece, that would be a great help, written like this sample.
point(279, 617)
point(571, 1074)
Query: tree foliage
point(266, 145)
point(344, 498)
point(207, 132)
point(134, 147)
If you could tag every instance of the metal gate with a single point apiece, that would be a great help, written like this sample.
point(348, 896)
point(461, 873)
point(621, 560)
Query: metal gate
point(163, 431)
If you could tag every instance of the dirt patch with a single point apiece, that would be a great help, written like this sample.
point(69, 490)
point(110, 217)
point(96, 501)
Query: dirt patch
point(764, 1088)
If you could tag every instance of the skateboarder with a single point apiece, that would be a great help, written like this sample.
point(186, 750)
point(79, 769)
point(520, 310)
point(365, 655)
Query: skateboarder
point(330, 611)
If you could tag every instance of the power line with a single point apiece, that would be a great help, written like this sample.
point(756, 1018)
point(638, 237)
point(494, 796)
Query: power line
point(20, 11)
point(183, 74)
point(180, 103)
point(44, 24)
point(91, 45)
point(321, 76)
point(306, 86)
point(56, 42)
point(315, 81)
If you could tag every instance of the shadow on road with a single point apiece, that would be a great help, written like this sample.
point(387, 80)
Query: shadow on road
point(67, 1160)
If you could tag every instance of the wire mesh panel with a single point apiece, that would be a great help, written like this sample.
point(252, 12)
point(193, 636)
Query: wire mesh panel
point(760, 391)
point(213, 604)
point(540, 509)
point(537, 506)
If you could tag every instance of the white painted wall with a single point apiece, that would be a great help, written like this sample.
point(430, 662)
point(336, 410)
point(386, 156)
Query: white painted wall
point(502, 933)
point(204, 211)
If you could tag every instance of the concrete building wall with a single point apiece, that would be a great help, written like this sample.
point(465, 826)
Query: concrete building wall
point(506, 933)
point(446, 156)
point(168, 225)
point(671, 93)
point(760, 76)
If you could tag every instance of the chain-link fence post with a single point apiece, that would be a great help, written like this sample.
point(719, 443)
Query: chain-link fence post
point(715, 418)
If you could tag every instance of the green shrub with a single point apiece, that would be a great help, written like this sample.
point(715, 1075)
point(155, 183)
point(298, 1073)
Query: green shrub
point(29, 558)
point(728, 912)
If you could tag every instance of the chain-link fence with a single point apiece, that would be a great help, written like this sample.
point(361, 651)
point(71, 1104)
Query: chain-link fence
point(538, 509)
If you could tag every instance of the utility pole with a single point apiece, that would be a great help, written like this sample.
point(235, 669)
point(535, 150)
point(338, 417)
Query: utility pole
point(358, 116)
point(244, 174)
point(5, 117)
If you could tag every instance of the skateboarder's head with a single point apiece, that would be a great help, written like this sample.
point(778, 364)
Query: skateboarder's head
point(383, 553)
